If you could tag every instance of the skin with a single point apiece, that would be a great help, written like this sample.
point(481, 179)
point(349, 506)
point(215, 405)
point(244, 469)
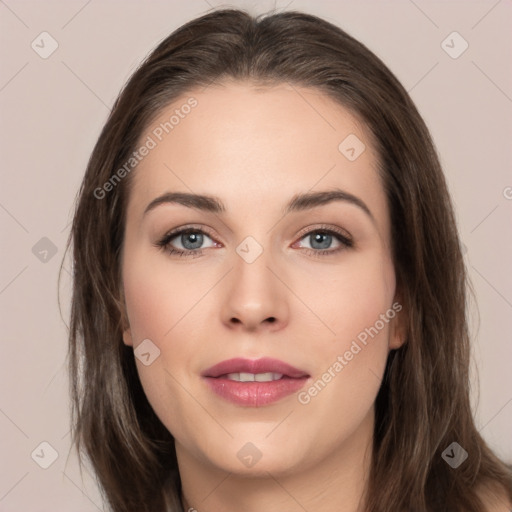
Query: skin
point(255, 148)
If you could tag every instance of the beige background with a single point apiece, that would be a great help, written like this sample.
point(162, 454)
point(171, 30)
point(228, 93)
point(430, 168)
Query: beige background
point(53, 109)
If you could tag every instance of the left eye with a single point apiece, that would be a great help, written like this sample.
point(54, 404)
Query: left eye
point(320, 240)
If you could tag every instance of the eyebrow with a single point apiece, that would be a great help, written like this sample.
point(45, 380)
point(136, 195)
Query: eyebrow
point(298, 202)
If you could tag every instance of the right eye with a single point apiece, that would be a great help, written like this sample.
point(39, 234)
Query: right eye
point(190, 240)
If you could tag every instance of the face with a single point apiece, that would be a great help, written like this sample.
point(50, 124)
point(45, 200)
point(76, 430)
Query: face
point(262, 277)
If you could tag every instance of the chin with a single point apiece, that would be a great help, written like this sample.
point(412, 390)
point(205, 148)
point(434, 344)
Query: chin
point(277, 464)
point(255, 455)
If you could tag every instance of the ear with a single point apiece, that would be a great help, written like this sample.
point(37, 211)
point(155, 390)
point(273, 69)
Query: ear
point(127, 337)
point(127, 333)
point(398, 324)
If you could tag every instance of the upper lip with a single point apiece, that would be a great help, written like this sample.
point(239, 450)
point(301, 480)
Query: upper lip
point(263, 365)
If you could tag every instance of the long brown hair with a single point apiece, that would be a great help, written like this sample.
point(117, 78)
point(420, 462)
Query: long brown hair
point(423, 404)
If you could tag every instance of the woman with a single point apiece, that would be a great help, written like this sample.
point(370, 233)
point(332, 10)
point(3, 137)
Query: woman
point(269, 293)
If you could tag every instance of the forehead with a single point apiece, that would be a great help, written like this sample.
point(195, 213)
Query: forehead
point(242, 142)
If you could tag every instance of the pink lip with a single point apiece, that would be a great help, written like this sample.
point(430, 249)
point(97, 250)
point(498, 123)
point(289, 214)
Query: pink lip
point(263, 365)
point(254, 394)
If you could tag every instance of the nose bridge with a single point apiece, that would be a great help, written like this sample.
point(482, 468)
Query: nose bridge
point(254, 293)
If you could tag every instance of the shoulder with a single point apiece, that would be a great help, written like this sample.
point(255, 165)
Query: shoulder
point(494, 498)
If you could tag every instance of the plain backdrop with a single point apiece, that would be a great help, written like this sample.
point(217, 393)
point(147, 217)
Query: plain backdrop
point(52, 110)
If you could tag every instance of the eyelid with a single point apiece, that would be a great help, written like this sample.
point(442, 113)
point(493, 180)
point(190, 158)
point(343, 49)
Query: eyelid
point(169, 235)
point(326, 228)
point(343, 237)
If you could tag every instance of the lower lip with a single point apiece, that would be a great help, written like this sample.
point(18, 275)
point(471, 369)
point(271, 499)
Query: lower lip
point(254, 394)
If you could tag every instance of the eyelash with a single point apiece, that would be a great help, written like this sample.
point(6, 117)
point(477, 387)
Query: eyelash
point(164, 243)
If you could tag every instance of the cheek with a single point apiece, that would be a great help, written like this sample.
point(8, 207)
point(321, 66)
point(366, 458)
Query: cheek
point(351, 364)
point(149, 306)
point(351, 298)
point(162, 307)
point(154, 311)
point(358, 307)
point(159, 297)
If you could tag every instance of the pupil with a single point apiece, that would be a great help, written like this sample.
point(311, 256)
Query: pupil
point(195, 238)
point(322, 236)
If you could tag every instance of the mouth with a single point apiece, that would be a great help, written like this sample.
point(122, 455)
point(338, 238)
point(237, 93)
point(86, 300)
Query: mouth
point(254, 383)
point(252, 377)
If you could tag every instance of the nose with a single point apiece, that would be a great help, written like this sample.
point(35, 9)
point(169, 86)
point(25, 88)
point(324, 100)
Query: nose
point(255, 297)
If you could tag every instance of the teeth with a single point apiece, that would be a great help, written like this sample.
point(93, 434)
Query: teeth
point(252, 377)
point(267, 377)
